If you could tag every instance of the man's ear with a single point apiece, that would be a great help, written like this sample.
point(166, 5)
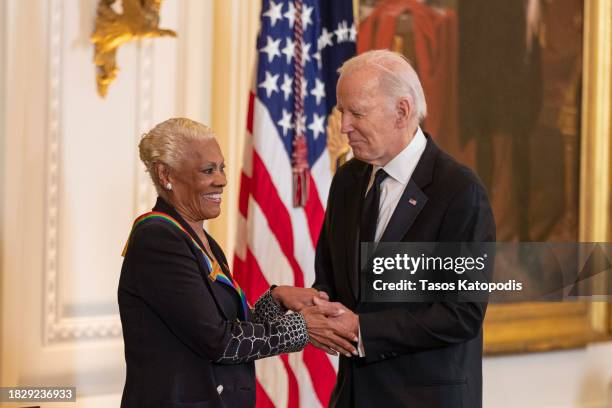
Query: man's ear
point(403, 111)
point(163, 173)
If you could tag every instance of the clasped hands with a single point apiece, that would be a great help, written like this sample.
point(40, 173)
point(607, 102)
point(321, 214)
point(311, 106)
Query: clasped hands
point(332, 327)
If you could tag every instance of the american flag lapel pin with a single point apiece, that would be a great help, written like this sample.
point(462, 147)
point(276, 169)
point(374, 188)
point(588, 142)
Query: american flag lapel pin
point(412, 201)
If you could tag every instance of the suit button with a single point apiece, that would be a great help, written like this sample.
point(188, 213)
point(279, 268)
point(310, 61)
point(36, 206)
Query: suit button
point(219, 389)
point(383, 356)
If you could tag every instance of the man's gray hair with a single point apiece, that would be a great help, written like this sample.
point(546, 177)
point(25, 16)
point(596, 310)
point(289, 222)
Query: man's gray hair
point(397, 78)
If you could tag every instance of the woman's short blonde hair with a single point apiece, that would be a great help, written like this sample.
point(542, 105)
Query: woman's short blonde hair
point(167, 143)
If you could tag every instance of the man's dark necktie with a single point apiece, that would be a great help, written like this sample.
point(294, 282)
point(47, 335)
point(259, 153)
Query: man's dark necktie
point(369, 214)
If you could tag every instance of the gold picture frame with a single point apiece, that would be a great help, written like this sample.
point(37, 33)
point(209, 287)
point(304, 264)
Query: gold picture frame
point(527, 327)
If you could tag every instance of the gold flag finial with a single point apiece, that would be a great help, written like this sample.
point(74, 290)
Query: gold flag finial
point(337, 142)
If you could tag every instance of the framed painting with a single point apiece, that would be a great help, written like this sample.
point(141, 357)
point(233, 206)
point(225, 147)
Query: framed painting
point(520, 91)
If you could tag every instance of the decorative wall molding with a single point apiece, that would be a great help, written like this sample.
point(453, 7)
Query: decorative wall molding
point(57, 327)
point(50, 268)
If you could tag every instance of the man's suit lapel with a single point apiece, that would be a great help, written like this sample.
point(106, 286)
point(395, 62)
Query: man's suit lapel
point(361, 179)
point(408, 208)
point(413, 198)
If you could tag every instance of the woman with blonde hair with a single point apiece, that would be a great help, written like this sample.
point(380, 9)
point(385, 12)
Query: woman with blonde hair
point(190, 336)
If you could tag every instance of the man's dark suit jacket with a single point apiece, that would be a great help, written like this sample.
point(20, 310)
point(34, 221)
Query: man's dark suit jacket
point(425, 355)
point(162, 292)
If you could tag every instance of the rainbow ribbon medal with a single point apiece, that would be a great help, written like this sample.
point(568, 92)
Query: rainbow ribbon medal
point(215, 272)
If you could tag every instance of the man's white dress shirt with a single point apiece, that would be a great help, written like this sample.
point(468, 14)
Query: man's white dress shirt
point(399, 169)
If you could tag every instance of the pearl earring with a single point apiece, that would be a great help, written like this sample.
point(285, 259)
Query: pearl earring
point(169, 186)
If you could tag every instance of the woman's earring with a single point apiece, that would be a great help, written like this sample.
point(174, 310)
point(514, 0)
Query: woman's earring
point(169, 186)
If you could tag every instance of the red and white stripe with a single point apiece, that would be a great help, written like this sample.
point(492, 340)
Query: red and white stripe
point(276, 245)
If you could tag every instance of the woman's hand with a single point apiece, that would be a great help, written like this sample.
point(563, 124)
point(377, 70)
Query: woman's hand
point(296, 299)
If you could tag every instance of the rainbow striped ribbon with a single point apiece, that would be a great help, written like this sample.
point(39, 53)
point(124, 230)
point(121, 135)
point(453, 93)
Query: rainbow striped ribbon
point(215, 272)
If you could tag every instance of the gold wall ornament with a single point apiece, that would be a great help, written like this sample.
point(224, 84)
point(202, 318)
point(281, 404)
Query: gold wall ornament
point(337, 142)
point(140, 19)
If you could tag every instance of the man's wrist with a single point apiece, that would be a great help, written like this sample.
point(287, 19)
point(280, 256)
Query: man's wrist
point(360, 347)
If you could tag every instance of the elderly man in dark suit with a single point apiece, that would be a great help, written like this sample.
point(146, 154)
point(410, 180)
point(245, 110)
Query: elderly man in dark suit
point(400, 187)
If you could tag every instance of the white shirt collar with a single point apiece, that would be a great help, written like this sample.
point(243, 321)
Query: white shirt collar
point(401, 166)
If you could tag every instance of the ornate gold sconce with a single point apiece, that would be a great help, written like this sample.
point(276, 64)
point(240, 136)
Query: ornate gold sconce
point(140, 19)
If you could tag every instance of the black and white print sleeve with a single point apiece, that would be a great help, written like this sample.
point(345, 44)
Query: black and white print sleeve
point(251, 341)
point(267, 309)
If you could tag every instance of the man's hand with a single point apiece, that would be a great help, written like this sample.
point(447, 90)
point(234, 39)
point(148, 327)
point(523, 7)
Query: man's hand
point(328, 330)
point(296, 299)
point(348, 320)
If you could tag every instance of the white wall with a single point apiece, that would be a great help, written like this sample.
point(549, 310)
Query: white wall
point(562, 379)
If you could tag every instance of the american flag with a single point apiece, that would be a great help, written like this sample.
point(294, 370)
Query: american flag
point(276, 240)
